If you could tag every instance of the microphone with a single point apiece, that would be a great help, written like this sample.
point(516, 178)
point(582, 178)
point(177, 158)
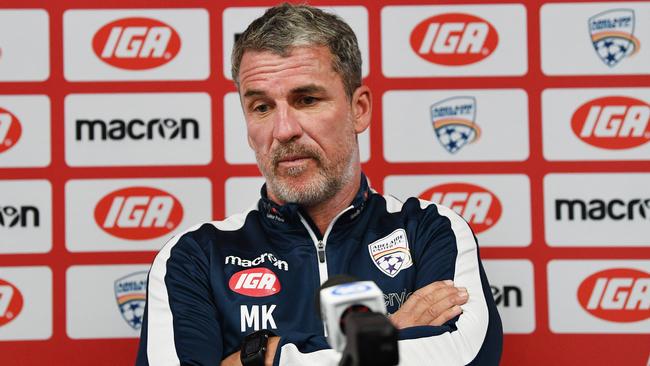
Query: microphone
point(354, 314)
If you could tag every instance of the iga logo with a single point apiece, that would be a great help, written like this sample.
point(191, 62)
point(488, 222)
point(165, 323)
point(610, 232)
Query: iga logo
point(613, 122)
point(138, 213)
point(136, 43)
point(618, 295)
point(454, 39)
point(10, 130)
point(11, 302)
point(255, 282)
point(480, 207)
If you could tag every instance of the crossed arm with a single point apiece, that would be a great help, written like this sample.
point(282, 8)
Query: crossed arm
point(434, 304)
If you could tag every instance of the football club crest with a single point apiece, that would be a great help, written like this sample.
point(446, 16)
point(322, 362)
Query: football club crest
point(612, 34)
point(131, 293)
point(391, 254)
point(453, 122)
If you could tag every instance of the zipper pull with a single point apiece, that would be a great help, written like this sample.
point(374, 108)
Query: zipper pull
point(321, 251)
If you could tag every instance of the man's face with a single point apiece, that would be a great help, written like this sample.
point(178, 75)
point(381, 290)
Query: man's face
point(300, 123)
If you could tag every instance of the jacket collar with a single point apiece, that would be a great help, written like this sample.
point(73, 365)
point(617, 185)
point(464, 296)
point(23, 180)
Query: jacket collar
point(289, 212)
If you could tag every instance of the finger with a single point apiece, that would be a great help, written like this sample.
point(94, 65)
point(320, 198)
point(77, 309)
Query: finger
point(418, 303)
point(447, 315)
point(445, 303)
point(439, 301)
point(428, 294)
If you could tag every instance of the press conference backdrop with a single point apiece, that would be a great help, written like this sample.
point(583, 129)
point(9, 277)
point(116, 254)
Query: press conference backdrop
point(120, 126)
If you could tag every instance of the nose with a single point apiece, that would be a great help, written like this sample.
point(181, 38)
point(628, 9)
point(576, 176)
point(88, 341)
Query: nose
point(286, 125)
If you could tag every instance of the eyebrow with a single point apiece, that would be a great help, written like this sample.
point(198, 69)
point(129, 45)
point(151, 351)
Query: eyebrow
point(305, 89)
point(308, 89)
point(254, 93)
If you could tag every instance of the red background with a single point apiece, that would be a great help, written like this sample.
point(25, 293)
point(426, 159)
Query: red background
point(539, 348)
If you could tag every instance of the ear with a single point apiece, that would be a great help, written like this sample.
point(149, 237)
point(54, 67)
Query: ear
point(250, 142)
point(361, 108)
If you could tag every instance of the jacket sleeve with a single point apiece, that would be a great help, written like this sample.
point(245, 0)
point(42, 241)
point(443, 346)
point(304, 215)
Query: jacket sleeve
point(180, 325)
point(297, 348)
point(448, 250)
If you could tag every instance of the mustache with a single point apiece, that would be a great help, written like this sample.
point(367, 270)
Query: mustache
point(292, 149)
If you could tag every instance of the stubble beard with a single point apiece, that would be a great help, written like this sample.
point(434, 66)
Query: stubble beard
point(291, 186)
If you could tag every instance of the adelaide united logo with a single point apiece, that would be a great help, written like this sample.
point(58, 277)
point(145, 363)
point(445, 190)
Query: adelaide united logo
point(612, 34)
point(391, 254)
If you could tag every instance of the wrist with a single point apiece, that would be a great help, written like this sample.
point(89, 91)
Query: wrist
point(255, 348)
point(270, 350)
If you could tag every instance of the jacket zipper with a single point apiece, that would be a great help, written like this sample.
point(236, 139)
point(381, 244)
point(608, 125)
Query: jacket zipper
point(320, 244)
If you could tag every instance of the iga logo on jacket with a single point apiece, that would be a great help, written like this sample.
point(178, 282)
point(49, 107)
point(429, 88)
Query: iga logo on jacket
point(11, 302)
point(613, 122)
point(454, 39)
point(138, 213)
point(10, 130)
point(480, 207)
point(617, 295)
point(255, 282)
point(136, 43)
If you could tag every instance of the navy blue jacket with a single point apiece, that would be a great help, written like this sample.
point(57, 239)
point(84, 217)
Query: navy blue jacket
point(219, 281)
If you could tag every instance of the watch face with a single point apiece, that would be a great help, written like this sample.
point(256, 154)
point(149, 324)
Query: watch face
point(253, 345)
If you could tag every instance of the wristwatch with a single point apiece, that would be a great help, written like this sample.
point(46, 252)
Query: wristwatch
point(253, 349)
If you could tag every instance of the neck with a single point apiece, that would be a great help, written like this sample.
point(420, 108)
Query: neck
point(324, 212)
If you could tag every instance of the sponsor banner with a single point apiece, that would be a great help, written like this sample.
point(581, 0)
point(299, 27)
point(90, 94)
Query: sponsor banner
point(235, 21)
point(599, 296)
point(133, 44)
point(468, 40)
point(25, 57)
point(114, 215)
point(242, 193)
point(105, 301)
point(597, 210)
point(25, 303)
point(138, 129)
point(24, 131)
point(595, 38)
point(596, 124)
point(455, 125)
point(512, 283)
point(25, 216)
point(237, 149)
point(497, 207)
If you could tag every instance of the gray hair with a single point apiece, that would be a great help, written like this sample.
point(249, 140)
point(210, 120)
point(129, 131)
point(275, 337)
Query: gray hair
point(286, 26)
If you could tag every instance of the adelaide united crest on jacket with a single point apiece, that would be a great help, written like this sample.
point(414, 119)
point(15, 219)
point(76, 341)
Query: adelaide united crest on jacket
point(391, 253)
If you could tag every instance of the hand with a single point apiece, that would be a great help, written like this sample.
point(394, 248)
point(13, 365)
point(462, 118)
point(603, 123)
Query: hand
point(434, 304)
point(235, 358)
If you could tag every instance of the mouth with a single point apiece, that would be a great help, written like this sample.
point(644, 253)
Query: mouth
point(293, 160)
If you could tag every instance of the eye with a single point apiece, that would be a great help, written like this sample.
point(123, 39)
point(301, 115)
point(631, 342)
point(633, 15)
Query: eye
point(261, 108)
point(308, 100)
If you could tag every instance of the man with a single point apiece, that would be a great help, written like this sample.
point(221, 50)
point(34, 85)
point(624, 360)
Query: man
point(298, 72)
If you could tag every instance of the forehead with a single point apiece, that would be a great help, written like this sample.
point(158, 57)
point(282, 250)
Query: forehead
point(307, 63)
